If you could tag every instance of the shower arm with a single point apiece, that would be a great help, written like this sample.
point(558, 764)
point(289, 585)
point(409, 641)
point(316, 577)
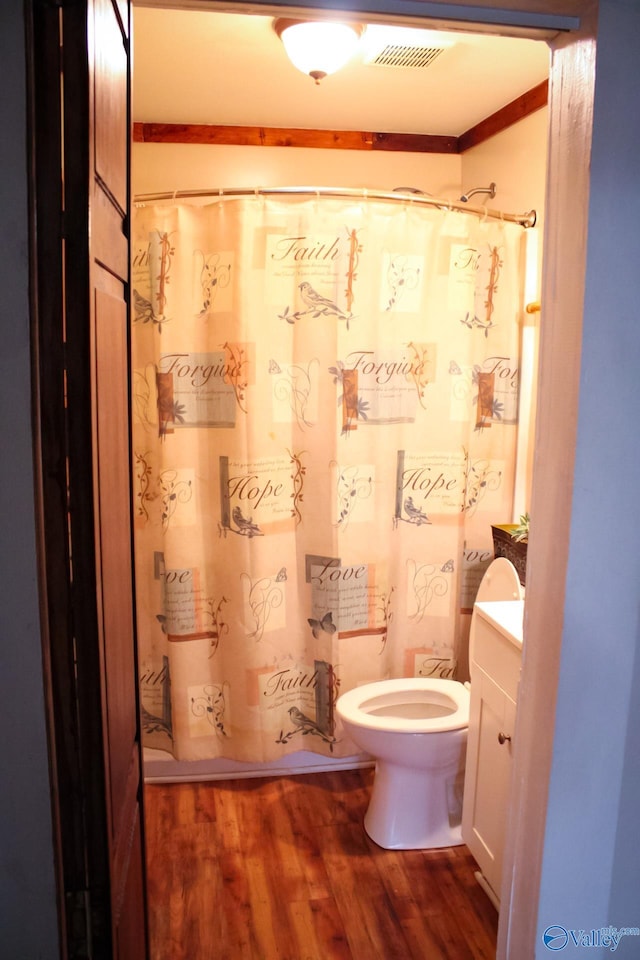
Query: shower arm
point(524, 219)
point(490, 190)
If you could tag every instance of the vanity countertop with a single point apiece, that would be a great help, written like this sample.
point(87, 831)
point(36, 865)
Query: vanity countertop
point(506, 616)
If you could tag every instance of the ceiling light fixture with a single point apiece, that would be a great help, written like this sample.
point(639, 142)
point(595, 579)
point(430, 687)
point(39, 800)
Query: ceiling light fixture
point(318, 47)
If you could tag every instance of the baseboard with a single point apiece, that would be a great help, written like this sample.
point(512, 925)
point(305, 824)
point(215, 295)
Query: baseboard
point(168, 770)
point(487, 889)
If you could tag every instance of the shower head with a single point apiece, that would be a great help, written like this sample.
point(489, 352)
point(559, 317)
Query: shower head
point(490, 190)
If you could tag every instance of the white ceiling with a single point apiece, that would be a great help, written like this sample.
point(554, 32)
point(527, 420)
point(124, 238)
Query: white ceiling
point(219, 68)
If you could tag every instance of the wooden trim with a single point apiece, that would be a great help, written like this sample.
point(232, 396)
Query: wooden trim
point(230, 135)
point(414, 143)
point(43, 52)
point(563, 283)
point(249, 136)
point(519, 108)
point(289, 137)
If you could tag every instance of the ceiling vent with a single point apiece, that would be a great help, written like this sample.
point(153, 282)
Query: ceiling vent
point(405, 55)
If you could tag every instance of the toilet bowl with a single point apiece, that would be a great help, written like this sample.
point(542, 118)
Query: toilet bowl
point(416, 730)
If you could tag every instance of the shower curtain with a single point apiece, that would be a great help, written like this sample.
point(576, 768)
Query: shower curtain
point(325, 397)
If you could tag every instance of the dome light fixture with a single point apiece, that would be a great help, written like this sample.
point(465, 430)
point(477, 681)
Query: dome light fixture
point(318, 47)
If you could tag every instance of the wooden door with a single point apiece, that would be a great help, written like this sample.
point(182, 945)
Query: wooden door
point(82, 66)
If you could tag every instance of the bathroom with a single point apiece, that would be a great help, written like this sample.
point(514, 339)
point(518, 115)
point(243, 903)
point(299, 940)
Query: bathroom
point(514, 159)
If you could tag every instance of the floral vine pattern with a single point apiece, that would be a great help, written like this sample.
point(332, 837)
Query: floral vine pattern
point(217, 626)
point(486, 322)
point(351, 487)
point(384, 606)
point(173, 492)
point(144, 310)
point(211, 704)
point(294, 385)
point(298, 484)
point(355, 249)
point(263, 596)
point(166, 253)
point(235, 374)
point(145, 494)
point(426, 581)
point(481, 478)
point(421, 381)
point(400, 278)
point(333, 685)
point(214, 276)
point(492, 286)
point(167, 487)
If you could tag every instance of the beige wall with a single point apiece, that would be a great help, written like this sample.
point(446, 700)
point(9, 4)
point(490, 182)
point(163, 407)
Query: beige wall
point(172, 166)
point(516, 160)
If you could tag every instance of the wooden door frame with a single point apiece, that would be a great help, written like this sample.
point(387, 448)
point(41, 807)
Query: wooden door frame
point(69, 739)
point(570, 99)
point(66, 491)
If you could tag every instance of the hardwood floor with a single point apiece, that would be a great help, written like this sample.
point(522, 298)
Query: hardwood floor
point(281, 869)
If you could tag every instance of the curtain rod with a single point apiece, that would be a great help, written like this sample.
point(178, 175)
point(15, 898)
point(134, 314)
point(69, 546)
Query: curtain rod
point(410, 196)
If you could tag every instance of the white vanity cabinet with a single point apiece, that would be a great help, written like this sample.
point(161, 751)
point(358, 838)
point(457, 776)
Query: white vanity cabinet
point(496, 656)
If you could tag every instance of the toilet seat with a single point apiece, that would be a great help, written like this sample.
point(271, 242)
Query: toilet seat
point(371, 705)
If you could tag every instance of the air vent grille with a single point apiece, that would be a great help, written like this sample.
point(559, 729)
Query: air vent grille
point(402, 55)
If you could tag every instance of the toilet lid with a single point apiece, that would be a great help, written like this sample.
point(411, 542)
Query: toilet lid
point(500, 582)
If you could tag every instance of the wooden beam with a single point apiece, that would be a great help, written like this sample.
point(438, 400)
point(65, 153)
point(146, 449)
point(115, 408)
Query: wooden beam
point(414, 143)
point(285, 137)
point(228, 135)
point(517, 110)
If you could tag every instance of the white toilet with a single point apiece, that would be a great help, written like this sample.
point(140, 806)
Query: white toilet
point(416, 730)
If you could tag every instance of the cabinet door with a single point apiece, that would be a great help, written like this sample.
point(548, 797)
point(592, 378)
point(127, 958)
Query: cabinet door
point(486, 792)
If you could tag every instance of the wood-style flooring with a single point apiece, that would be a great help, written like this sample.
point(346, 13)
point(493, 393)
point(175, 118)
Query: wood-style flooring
point(281, 869)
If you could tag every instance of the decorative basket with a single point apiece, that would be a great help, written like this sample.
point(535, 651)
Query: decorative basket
point(514, 550)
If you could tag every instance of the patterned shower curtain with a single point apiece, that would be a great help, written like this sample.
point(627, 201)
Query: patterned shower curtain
point(325, 405)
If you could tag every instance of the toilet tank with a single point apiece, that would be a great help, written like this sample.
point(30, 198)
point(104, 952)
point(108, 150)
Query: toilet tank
point(500, 582)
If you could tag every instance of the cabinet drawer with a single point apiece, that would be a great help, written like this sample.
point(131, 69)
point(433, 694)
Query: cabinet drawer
point(497, 656)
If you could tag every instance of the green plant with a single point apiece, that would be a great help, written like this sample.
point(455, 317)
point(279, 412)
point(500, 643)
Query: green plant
point(521, 532)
